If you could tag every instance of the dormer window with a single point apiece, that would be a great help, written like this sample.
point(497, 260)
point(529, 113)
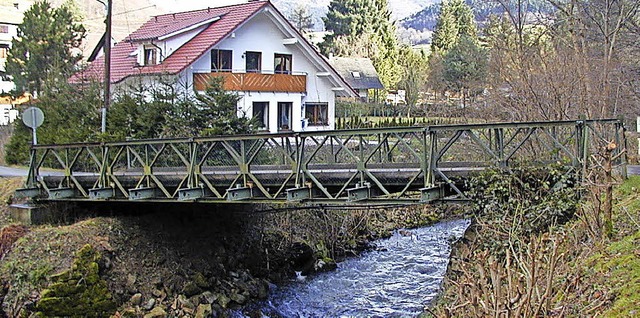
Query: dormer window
point(150, 55)
point(355, 74)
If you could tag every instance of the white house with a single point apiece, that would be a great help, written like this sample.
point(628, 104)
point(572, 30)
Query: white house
point(10, 18)
point(281, 79)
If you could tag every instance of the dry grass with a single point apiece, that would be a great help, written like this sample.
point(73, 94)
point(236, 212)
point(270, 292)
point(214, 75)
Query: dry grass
point(570, 271)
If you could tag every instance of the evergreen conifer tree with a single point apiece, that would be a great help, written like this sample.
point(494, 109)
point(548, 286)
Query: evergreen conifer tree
point(45, 49)
point(455, 20)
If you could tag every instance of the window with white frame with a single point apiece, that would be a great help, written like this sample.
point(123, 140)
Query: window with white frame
point(221, 60)
point(283, 63)
point(317, 114)
point(150, 56)
point(261, 114)
point(284, 115)
point(253, 62)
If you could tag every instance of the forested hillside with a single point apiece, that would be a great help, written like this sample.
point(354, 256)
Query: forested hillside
point(425, 20)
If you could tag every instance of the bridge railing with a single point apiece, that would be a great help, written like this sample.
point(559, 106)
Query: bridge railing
point(373, 165)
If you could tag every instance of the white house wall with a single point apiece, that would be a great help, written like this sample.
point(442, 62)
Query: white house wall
point(260, 34)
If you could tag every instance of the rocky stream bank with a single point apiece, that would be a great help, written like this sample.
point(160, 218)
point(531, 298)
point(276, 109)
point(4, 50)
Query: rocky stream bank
point(180, 260)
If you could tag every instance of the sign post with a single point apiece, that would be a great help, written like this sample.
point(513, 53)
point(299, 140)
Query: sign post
point(33, 117)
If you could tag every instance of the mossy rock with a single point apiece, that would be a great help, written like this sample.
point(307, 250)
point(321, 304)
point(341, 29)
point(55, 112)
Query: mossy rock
point(78, 292)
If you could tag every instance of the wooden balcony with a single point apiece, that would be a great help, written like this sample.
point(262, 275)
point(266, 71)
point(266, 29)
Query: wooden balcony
point(254, 82)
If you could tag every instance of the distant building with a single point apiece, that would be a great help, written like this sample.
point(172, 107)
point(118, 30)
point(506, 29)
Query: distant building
point(280, 78)
point(360, 74)
point(10, 18)
point(11, 13)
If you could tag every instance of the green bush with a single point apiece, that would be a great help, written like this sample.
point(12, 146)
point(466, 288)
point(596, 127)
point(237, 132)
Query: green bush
point(528, 200)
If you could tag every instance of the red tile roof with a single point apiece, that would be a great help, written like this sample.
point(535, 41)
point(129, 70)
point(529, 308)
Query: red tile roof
point(124, 64)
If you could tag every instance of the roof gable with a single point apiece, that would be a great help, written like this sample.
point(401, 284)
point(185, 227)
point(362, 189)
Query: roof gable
point(222, 21)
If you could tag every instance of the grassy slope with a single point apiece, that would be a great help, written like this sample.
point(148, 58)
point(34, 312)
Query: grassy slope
point(620, 259)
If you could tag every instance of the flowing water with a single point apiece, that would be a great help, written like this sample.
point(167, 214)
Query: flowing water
point(398, 279)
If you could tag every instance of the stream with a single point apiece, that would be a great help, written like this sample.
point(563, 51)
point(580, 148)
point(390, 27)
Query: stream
point(398, 279)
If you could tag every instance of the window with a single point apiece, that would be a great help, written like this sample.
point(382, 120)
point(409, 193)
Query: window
point(221, 60)
point(284, 115)
point(254, 62)
point(355, 74)
point(4, 28)
point(282, 63)
point(150, 56)
point(317, 114)
point(261, 114)
point(4, 77)
point(4, 49)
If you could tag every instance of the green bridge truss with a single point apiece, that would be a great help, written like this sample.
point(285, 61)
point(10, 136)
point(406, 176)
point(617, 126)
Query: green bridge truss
point(369, 166)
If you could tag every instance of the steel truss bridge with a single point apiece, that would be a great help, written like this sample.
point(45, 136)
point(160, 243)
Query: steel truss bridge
point(369, 166)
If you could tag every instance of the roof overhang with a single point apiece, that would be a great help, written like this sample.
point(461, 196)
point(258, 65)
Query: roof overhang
point(187, 29)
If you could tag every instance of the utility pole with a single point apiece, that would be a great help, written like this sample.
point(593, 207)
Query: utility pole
point(107, 66)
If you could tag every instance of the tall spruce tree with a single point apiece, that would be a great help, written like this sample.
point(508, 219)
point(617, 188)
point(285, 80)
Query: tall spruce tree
point(354, 21)
point(45, 47)
point(455, 20)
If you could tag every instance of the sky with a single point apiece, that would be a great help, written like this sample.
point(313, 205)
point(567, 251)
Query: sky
point(186, 5)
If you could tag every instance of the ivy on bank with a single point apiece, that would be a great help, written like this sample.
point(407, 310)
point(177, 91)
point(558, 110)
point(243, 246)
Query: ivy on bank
point(522, 202)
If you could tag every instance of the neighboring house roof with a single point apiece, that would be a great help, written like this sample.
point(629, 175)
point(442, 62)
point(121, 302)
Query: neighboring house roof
point(222, 21)
point(358, 72)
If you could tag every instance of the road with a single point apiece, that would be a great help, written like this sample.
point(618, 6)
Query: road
point(8, 172)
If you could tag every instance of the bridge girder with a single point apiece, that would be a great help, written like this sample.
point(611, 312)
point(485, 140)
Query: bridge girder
point(368, 166)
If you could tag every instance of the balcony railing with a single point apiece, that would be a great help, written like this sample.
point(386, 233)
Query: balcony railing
point(254, 82)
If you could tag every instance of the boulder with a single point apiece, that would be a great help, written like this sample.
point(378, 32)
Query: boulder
point(223, 300)
point(149, 304)
point(191, 289)
point(238, 298)
point(204, 311)
point(157, 312)
point(136, 299)
point(208, 297)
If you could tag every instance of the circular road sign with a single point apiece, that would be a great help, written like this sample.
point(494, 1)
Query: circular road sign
point(33, 117)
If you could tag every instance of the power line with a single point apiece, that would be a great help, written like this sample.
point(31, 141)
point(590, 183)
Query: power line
point(121, 13)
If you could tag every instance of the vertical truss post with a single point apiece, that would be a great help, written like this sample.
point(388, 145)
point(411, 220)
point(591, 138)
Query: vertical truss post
point(32, 177)
point(554, 135)
point(297, 165)
point(104, 181)
point(621, 142)
point(499, 146)
point(430, 178)
point(424, 162)
point(194, 168)
point(361, 159)
point(582, 144)
point(579, 139)
point(244, 168)
point(104, 190)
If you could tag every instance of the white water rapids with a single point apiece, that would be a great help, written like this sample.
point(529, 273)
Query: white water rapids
point(398, 279)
